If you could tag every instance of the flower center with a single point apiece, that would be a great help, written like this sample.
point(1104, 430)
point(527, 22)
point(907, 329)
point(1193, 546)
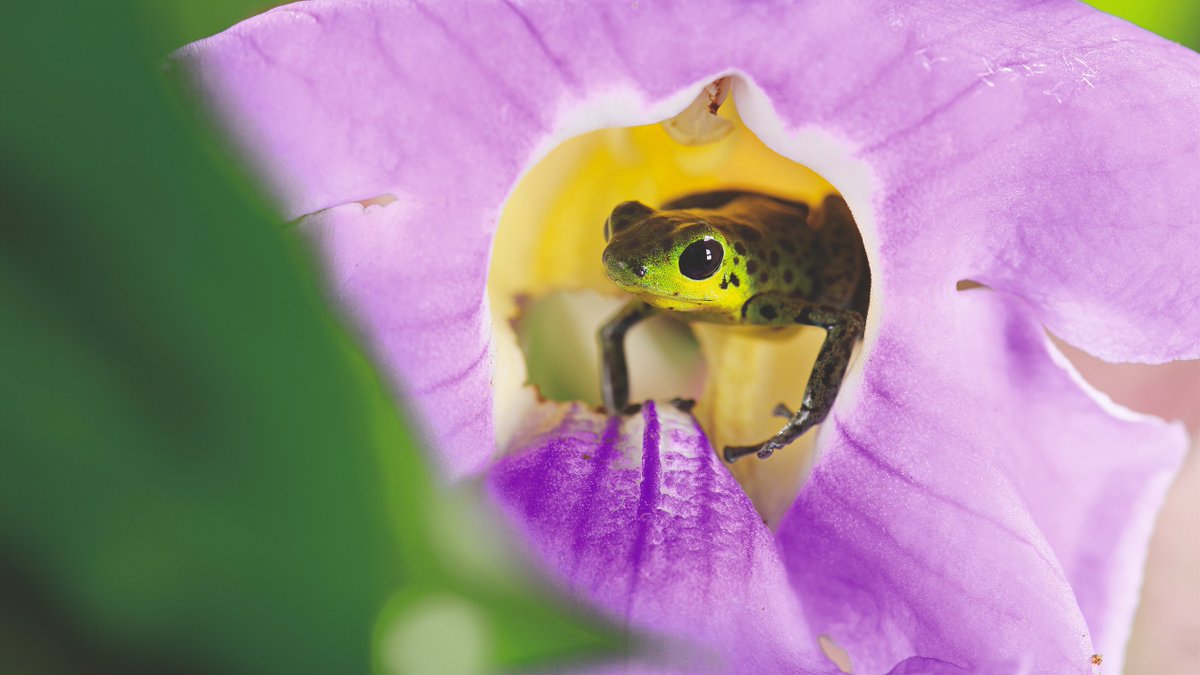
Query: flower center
point(549, 292)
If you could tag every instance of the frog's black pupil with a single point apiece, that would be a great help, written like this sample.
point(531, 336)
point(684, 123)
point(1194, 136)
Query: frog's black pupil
point(701, 259)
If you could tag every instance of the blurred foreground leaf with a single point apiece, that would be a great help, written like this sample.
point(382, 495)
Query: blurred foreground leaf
point(199, 472)
point(1177, 20)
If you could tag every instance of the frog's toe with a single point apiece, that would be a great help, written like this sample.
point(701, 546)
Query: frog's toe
point(768, 449)
point(684, 404)
point(781, 410)
point(733, 453)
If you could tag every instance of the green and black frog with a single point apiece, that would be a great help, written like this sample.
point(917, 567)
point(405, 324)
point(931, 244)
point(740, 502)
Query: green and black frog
point(747, 259)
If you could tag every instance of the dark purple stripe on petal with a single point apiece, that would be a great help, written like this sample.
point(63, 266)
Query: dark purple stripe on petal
point(587, 509)
point(456, 378)
point(559, 63)
point(648, 495)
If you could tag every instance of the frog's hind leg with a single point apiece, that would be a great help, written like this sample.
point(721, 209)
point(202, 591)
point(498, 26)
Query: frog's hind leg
point(614, 371)
point(843, 327)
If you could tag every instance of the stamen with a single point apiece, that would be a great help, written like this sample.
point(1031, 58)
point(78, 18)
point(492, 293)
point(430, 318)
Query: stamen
point(699, 123)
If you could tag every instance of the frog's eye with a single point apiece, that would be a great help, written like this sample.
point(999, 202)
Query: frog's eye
point(701, 259)
point(624, 215)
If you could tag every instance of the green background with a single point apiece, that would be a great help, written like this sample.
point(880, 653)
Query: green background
point(200, 472)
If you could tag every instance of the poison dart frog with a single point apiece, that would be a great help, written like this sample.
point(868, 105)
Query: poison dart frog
point(741, 258)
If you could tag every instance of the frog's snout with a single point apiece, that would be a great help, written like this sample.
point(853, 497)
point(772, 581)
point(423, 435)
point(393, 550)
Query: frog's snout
point(620, 270)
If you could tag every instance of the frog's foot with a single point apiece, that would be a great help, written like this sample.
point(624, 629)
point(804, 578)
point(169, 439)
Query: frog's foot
point(765, 449)
point(735, 452)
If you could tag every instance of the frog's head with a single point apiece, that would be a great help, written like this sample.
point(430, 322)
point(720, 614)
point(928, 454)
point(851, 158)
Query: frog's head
point(675, 260)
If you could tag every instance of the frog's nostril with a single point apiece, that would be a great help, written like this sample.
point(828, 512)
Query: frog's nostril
point(640, 271)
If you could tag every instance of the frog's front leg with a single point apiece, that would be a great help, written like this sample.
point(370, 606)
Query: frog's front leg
point(614, 372)
point(843, 327)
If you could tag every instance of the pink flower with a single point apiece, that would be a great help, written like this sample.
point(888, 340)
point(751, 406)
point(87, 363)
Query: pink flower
point(975, 506)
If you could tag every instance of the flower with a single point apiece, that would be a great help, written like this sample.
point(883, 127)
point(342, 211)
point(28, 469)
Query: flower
point(976, 506)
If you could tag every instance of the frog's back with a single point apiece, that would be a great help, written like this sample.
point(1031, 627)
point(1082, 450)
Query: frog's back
point(783, 246)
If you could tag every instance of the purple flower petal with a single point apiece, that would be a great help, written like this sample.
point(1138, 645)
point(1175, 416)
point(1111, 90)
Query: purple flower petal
point(1040, 148)
point(639, 516)
point(972, 504)
point(1017, 535)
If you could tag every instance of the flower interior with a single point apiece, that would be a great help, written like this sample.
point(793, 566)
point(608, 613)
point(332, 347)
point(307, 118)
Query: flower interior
point(549, 294)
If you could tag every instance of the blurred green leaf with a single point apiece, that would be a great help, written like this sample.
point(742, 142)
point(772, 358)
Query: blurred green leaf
point(200, 473)
point(178, 22)
point(1177, 20)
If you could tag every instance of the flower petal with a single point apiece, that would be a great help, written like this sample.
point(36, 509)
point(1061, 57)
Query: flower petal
point(422, 316)
point(639, 516)
point(998, 136)
point(1039, 148)
point(929, 529)
point(1042, 148)
point(1093, 234)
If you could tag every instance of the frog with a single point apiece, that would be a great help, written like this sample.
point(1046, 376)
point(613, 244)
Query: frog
point(745, 259)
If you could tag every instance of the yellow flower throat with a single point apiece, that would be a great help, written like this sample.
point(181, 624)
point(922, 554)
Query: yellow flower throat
point(551, 238)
